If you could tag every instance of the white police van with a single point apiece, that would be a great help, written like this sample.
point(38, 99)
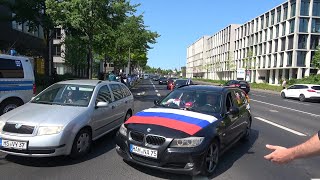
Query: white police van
point(17, 82)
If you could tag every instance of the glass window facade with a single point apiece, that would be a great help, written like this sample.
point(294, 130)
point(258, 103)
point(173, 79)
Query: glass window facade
point(293, 9)
point(284, 26)
point(272, 18)
point(315, 26)
point(278, 15)
point(315, 41)
point(289, 58)
point(302, 42)
point(291, 26)
point(283, 44)
point(285, 12)
point(281, 59)
point(303, 26)
point(290, 42)
point(267, 21)
point(301, 58)
point(276, 46)
point(275, 60)
point(277, 31)
point(316, 8)
point(262, 22)
point(304, 10)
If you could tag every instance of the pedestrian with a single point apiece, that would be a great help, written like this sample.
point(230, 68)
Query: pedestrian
point(112, 76)
point(282, 155)
point(284, 83)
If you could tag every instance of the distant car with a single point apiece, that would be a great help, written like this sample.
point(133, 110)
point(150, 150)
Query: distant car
point(186, 131)
point(244, 85)
point(17, 82)
point(170, 82)
point(155, 78)
point(146, 76)
point(302, 91)
point(65, 118)
point(181, 82)
point(162, 80)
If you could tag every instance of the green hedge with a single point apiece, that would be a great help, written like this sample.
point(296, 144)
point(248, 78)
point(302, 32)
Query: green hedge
point(313, 79)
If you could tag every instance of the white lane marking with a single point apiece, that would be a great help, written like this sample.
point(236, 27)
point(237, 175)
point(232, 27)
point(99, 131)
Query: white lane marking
point(258, 95)
point(156, 91)
point(271, 110)
point(311, 114)
point(281, 127)
point(296, 102)
point(158, 94)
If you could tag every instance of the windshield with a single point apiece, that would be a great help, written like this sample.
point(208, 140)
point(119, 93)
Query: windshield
point(65, 94)
point(198, 101)
point(180, 82)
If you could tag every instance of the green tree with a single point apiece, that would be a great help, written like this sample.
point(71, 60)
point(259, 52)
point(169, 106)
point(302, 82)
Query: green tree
point(91, 19)
point(316, 59)
point(248, 62)
point(34, 14)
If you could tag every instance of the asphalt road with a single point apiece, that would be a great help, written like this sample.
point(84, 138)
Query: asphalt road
point(276, 121)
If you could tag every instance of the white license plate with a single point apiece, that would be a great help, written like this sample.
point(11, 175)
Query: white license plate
point(22, 145)
point(143, 151)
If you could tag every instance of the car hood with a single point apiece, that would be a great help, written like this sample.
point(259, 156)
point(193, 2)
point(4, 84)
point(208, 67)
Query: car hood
point(171, 123)
point(43, 114)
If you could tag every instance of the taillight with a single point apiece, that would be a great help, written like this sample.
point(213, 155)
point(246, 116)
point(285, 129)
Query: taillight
point(310, 90)
point(34, 88)
point(237, 85)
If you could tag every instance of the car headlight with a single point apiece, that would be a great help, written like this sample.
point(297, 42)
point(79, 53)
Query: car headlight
point(47, 130)
point(187, 142)
point(2, 123)
point(123, 130)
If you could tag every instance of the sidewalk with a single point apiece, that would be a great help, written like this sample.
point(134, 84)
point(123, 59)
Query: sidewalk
point(252, 89)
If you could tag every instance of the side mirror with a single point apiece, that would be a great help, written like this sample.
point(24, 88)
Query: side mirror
point(233, 111)
point(101, 104)
point(156, 102)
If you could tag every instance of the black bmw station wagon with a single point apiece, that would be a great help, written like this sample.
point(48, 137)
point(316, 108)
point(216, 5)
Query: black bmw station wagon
point(187, 130)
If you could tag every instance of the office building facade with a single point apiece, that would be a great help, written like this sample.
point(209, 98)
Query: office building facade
point(276, 45)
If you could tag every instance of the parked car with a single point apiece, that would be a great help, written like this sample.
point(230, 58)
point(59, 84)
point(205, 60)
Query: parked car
point(65, 118)
point(17, 82)
point(302, 91)
point(162, 80)
point(187, 130)
point(170, 82)
point(244, 85)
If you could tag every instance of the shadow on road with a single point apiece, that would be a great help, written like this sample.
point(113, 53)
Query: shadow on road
point(100, 147)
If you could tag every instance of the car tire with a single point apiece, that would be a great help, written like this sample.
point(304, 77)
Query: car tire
point(211, 159)
point(247, 133)
point(128, 115)
point(9, 105)
point(82, 144)
point(283, 95)
point(302, 98)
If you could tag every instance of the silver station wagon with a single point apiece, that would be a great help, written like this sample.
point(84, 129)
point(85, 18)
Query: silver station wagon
point(65, 118)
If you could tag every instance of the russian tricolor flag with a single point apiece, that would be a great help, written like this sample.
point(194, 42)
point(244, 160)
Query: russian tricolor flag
point(185, 121)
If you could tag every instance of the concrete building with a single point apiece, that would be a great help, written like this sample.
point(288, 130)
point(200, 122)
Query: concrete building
point(275, 45)
point(58, 51)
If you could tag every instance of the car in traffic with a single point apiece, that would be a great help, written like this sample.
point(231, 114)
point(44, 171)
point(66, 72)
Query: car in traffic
point(17, 82)
point(65, 118)
point(155, 78)
point(244, 85)
point(303, 92)
point(170, 82)
point(162, 80)
point(181, 82)
point(187, 130)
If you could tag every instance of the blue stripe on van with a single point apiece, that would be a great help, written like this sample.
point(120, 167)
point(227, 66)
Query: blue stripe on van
point(16, 88)
point(16, 82)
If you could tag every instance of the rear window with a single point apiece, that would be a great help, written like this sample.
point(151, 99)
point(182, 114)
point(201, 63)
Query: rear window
point(11, 68)
point(315, 87)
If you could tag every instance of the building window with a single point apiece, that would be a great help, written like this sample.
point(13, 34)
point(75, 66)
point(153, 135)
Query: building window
point(277, 31)
point(290, 42)
point(302, 42)
point(289, 58)
point(272, 18)
point(266, 35)
point(276, 46)
point(275, 60)
point(281, 59)
point(304, 10)
point(262, 22)
point(284, 28)
point(315, 27)
point(283, 44)
point(265, 48)
point(269, 61)
point(267, 21)
point(301, 58)
point(271, 33)
point(270, 46)
point(57, 33)
point(285, 12)
point(278, 15)
point(303, 26)
point(315, 42)
point(316, 8)
point(56, 50)
point(293, 9)
point(291, 26)
point(260, 36)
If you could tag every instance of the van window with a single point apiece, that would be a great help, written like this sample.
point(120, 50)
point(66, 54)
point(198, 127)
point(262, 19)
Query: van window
point(11, 68)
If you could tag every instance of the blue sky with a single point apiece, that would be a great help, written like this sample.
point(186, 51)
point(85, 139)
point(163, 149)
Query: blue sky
point(182, 22)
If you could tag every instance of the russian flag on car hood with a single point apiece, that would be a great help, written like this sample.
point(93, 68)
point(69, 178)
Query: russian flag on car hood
point(182, 120)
